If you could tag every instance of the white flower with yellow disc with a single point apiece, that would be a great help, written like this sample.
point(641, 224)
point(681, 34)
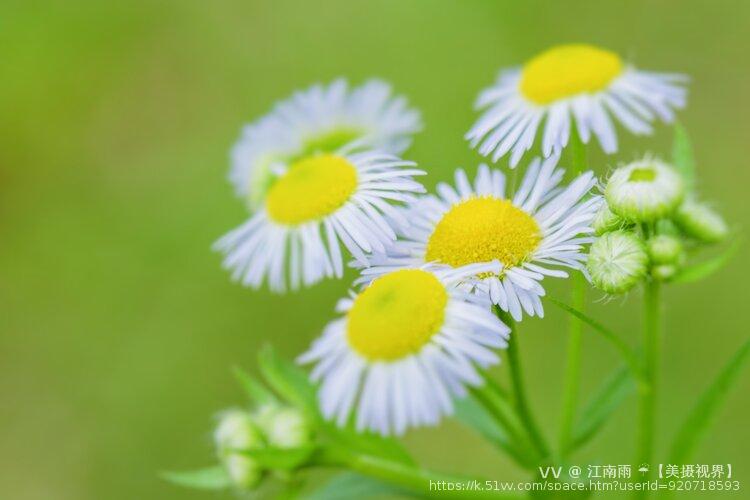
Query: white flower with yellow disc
point(407, 344)
point(578, 81)
point(320, 119)
point(541, 227)
point(317, 203)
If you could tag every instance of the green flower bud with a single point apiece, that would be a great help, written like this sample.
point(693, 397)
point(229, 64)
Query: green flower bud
point(701, 222)
point(644, 190)
point(236, 430)
point(284, 427)
point(665, 249)
point(606, 221)
point(617, 261)
point(664, 272)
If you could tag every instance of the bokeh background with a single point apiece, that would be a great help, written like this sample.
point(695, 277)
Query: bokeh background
point(117, 326)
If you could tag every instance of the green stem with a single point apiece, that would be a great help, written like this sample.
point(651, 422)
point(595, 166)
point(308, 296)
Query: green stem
point(579, 163)
point(519, 393)
point(414, 479)
point(573, 368)
point(494, 400)
point(648, 391)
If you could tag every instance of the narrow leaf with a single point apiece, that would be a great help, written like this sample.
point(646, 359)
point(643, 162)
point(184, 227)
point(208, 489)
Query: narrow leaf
point(288, 380)
point(210, 478)
point(279, 458)
point(470, 413)
point(682, 156)
point(608, 335)
point(348, 485)
point(367, 442)
point(602, 404)
point(698, 420)
point(255, 390)
point(702, 270)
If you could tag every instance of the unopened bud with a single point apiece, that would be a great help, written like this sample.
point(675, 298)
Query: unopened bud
point(617, 261)
point(701, 222)
point(665, 249)
point(644, 190)
point(237, 431)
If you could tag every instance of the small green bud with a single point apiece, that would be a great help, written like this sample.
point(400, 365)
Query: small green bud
point(644, 190)
point(617, 261)
point(665, 249)
point(701, 222)
point(284, 427)
point(606, 221)
point(664, 272)
point(236, 430)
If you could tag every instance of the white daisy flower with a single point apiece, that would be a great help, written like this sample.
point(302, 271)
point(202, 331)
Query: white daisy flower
point(406, 345)
point(582, 82)
point(316, 203)
point(320, 119)
point(543, 226)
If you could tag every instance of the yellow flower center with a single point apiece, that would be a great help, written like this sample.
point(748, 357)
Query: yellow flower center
point(396, 315)
point(567, 70)
point(311, 189)
point(483, 229)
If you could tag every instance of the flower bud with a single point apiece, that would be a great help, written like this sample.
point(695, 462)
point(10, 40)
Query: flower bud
point(606, 221)
point(617, 261)
point(644, 190)
point(664, 272)
point(236, 430)
point(284, 427)
point(665, 249)
point(701, 222)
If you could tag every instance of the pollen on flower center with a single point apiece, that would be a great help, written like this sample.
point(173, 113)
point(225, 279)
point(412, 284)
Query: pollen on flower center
point(396, 315)
point(483, 229)
point(568, 70)
point(312, 188)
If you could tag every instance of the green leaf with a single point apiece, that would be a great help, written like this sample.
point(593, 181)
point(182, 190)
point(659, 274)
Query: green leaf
point(367, 442)
point(609, 335)
point(256, 391)
point(348, 485)
point(698, 420)
point(279, 458)
point(210, 478)
point(702, 270)
point(288, 380)
point(602, 404)
point(682, 156)
point(472, 414)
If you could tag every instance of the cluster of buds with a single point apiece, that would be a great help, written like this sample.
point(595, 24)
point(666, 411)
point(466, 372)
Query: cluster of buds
point(272, 426)
point(646, 225)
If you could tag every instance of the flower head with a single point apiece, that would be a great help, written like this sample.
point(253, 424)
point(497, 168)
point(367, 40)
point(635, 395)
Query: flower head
point(236, 431)
point(698, 220)
point(284, 426)
point(320, 119)
point(589, 84)
point(407, 343)
point(644, 190)
point(617, 262)
point(316, 203)
point(665, 249)
point(540, 227)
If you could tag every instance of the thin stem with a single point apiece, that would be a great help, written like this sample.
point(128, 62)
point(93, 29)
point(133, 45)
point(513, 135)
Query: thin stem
point(648, 391)
point(494, 400)
point(575, 325)
point(573, 368)
point(519, 393)
point(409, 477)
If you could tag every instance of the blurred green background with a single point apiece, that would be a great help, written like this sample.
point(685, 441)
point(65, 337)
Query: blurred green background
point(117, 325)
